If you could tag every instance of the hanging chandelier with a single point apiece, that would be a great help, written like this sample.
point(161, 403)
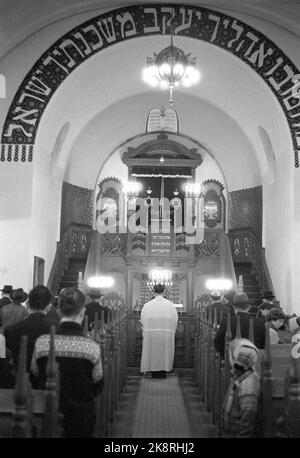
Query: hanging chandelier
point(170, 69)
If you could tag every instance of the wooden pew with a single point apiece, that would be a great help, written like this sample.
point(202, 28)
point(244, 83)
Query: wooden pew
point(112, 338)
point(280, 379)
point(26, 413)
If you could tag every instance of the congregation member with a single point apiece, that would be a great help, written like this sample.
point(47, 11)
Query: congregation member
point(34, 325)
point(240, 408)
point(266, 305)
point(159, 321)
point(95, 306)
point(274, 321)
point(15, 311)
point(6, 293)
point(241, 307)
point(79, 363)
point(53, 313)
point(217, 306)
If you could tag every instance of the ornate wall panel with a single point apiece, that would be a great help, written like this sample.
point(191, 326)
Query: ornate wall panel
point(245, 210)
point(77, 206)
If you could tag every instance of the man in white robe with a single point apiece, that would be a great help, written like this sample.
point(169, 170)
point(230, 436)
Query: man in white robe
point(159, 321)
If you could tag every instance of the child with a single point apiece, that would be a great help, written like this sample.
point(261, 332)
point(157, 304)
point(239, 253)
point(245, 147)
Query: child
point(240, 407)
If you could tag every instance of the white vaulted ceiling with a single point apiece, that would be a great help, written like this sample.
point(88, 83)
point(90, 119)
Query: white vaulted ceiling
point(104, 101)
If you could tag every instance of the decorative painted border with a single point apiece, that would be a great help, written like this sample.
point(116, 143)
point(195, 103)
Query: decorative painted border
point(76, 46)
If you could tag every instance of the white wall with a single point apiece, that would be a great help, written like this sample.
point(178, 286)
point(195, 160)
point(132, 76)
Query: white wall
point(15, 223)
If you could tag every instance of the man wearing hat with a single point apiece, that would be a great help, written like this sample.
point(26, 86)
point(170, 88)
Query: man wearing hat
point(241, 307)
point(266, 305)
point(14, 312)
point(6, 292)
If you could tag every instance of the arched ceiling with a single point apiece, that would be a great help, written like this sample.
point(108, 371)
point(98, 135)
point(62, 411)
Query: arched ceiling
point(106, 102)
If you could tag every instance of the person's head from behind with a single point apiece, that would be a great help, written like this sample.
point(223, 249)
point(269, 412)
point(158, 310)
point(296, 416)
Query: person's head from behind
point(243, 355)
point(275, 317)
point(18, 296)
point(7, 290)
point(159, 289)
point(229, 296)
point(72, 304)
point(94, 294)
point(216, 296)
point(39, 299)
point(241, 302)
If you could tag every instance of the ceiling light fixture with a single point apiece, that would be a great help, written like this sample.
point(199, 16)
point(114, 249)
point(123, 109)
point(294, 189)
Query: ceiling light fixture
point(170, 69)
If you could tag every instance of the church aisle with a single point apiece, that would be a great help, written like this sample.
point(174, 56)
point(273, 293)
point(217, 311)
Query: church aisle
point(160, 410)
point(156, 408)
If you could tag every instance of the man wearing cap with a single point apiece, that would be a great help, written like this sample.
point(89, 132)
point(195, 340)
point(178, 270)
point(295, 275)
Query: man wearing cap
point(34, 325)
point(241, 307)
point(6, 292)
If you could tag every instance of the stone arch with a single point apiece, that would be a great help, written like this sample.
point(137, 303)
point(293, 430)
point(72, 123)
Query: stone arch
point(102, 31)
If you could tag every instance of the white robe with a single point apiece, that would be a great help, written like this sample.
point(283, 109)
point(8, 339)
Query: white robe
point(159, 320)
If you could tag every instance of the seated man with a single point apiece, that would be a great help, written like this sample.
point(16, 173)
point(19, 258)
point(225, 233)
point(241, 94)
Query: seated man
point(36, 324)
point(241, 307)
point(80, 366)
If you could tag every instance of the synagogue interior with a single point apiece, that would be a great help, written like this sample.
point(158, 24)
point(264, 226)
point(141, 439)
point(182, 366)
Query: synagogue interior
point(143, 144)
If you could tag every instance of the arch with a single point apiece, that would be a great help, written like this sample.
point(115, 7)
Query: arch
point(100, 32)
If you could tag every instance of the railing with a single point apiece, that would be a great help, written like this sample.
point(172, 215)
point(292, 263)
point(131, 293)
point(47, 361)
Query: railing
point(158, 245)
point(279, 405)
point(74, 243)
point(246, 247)
point(184, 341)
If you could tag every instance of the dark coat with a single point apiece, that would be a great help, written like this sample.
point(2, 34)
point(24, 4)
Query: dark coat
point(12, 313)
point(7, 374)
point(220, 309)
point(258, 327)
point(92, 308)
point(33, 326)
